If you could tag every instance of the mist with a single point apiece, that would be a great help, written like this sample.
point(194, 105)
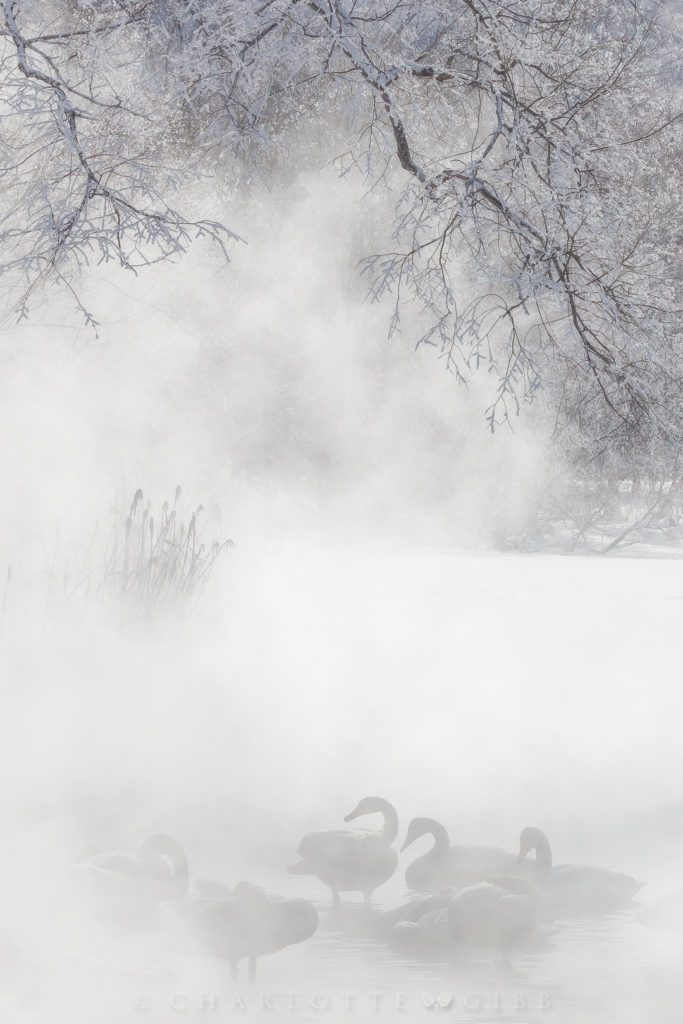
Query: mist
point(377, 627)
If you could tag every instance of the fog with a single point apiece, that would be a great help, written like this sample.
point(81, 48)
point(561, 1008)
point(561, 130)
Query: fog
point(375, 628)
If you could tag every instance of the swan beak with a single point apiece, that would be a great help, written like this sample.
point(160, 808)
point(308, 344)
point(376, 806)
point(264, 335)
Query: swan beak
point(351, 816)
point(405, 845)
point(523, 850)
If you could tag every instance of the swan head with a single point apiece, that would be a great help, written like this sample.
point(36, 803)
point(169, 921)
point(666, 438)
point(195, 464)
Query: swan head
point(165, 863)
point(530, 839)
point(416, 829)
point(368, 805)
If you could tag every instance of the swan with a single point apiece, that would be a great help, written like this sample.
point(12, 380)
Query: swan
point(159, 870)
point(420, 924)
point(497, 915)
point(574, 888)
point(413, 910)
point(123, 890)
point(352, 861)
point(445, 865)
point(428, 934)
point(246, 925)
point(210, 888)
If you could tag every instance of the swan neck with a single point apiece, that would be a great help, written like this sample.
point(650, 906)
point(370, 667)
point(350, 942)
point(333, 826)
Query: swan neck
point(544, 857)
point(441, 840)
point(154, 849)
point(390, 829)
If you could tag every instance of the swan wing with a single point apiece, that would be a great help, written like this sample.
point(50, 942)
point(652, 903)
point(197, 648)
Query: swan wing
point(470, 912)
point(411, 911)
point(330, 848)
point(588, 884)
point(222, 929)
point(461, 865)
point(337, 843)
point(426, 934)
point(480, 861)
point(123, 864)
point(210, 888)
point(347, 861)
point(490, 916)
point(254, 923)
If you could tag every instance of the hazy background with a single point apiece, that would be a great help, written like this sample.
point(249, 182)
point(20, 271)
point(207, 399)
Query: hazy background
point(269, 379)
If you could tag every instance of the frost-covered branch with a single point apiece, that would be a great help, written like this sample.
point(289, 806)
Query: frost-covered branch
point(81, 189)
point(529, 143)
point(528, 201)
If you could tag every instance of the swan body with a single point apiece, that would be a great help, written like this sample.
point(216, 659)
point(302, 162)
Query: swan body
point(352, 861)
point(575, 888)
point(496, 915)
point(249, 924)
point(429, 934)
point(446, 865)
point(419, 925)
point(413, 910)
point(159, 870)
point(210, 888)
point(122, 890)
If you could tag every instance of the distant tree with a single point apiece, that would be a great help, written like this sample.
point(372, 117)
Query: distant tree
point(538, 225)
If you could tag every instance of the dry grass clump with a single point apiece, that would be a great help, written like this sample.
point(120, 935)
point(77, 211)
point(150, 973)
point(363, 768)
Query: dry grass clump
point(136, 562)
point(162, 559)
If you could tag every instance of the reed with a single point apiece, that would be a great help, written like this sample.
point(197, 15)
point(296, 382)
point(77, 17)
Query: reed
point(152, 560)
point(138, 561)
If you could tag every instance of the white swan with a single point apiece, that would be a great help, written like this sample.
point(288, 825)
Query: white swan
point(427, 935)
point(496, 915)
point(159, 870)
point(246, 925)
point(574, 888)
point(413, 909)
point(122, 890)
point(445, 865)
point(420, 924)
point(349, 861)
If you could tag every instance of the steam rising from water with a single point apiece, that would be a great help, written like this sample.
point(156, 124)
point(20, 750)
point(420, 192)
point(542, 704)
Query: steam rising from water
point(346, 646)
point(268, 385)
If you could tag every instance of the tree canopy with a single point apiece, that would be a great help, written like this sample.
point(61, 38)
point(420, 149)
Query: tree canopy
point(531, 145)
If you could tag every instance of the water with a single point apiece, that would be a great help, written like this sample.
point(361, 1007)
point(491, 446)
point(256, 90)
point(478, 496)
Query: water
point(588, 970)
point(488, 692)
point(606, 970)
